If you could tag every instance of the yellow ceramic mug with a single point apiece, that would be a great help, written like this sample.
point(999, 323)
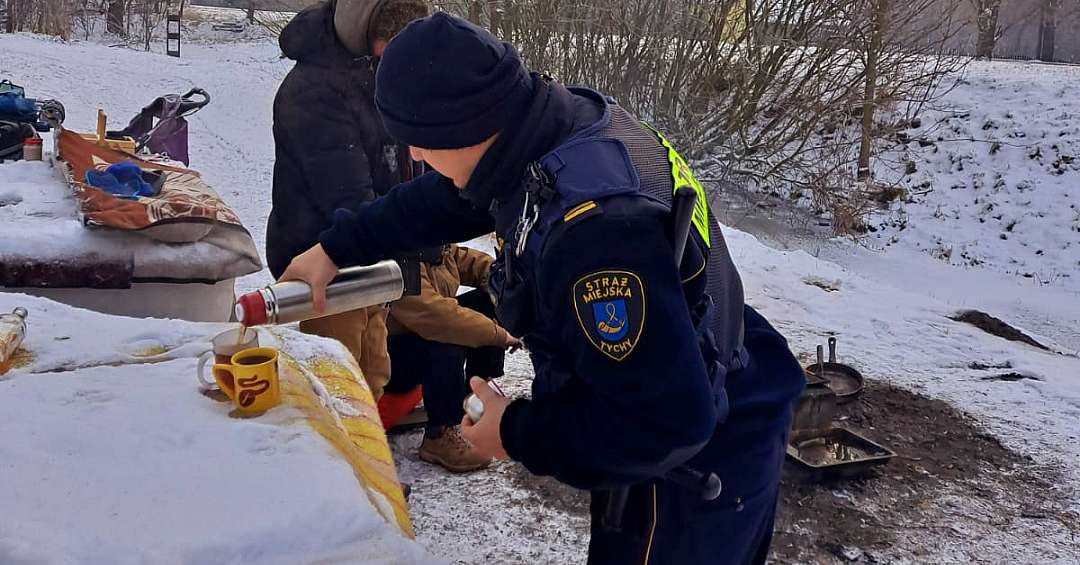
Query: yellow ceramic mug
point(250, 380)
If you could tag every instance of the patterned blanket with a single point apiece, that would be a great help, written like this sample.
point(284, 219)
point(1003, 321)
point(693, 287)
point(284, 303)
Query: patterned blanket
point(185, 209)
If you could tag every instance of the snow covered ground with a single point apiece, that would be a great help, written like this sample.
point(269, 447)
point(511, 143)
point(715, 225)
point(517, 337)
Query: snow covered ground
point(997, 180)
point(111, 455)
point(887, 300)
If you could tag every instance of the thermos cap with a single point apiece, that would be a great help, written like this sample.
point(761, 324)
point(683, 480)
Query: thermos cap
point(251, 309)
point(20, 312)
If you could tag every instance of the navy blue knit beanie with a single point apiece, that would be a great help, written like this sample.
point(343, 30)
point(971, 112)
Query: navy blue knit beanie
point(444, 83)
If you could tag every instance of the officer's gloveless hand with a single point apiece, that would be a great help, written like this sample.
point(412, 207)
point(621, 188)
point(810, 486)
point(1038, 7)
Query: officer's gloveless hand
point(484, 435)
point(316, 269)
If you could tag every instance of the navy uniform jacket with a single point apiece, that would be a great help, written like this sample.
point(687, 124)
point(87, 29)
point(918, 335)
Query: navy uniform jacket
point(595, 419)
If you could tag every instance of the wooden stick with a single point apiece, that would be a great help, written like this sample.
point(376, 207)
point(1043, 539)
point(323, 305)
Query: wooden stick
point(101, 119)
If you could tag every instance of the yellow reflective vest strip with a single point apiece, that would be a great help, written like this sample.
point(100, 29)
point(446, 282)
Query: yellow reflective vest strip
point(681, 174)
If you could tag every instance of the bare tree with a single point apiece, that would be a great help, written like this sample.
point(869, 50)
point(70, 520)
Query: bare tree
point(5, 17)
point(87, 17)
point(1047, 27)
point(986, 21)
point(149, 14)
point(873, 52)
point(115, 19)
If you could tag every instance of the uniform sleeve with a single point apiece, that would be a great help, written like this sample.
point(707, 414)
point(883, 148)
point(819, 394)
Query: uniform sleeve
point(473, 266)
point(424, 212)
point(639, 402)
point(438, 318)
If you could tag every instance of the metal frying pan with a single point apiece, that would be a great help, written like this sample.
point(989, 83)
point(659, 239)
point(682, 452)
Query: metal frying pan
point(844, 380)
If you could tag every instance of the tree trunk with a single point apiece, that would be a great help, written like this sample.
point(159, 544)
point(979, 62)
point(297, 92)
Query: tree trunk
point(251, 11)
point(474, 12)
point(986, 21)
point(114, 18)
point(1046, 31)
point(495, 15)
point(881, 9)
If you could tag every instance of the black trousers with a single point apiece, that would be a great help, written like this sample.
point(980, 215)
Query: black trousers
point(666, 524)
point(443, 368)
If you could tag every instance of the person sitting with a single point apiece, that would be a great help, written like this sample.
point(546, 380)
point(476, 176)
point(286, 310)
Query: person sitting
point(438, 340)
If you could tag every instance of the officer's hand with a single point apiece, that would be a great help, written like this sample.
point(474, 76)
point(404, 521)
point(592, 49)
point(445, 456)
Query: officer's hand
point(512, 343)
point(485, 435)
point(315, 268)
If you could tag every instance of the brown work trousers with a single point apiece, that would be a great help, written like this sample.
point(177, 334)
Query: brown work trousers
point(363, 333)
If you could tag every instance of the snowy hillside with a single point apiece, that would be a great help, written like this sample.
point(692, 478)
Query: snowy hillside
point(997, 179)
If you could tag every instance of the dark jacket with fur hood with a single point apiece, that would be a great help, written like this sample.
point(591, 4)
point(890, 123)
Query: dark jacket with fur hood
point(331, 148)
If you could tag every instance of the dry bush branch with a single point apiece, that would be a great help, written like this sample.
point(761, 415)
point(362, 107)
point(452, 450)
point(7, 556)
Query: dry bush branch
point(772, 91)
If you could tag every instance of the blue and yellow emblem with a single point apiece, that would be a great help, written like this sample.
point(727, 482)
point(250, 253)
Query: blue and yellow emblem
point(610, 306)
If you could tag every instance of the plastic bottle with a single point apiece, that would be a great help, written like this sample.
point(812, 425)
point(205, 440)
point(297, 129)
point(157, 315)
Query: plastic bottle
point(352, 289)
point(474, 407)
point(12, 331)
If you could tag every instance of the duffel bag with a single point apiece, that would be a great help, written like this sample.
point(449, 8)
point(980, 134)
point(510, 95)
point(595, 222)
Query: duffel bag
point(12, 135)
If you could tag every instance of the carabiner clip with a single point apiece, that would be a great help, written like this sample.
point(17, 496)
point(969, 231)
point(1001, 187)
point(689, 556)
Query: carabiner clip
point(525, 224)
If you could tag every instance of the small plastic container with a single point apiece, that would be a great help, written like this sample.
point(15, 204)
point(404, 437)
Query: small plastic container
point(32, 149)
point(474, 407)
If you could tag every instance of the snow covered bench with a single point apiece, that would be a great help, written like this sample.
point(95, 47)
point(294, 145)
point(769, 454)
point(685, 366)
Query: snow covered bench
point(111, 454)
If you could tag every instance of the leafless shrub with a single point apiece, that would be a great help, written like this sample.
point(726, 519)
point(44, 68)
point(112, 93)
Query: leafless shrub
point(274, 15)
point(87, 17)
point(771, 91)
point(274, 18)
point(49, 17)
point(146, 16)
point(132, 20)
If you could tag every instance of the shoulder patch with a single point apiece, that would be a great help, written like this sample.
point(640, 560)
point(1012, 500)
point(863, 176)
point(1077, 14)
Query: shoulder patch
point(582, 211)
point(610, 306)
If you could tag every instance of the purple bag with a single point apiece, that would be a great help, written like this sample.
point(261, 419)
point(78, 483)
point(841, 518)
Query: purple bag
point(161, 127)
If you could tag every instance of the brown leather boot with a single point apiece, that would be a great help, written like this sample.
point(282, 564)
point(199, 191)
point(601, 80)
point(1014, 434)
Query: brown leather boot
point(451, 451)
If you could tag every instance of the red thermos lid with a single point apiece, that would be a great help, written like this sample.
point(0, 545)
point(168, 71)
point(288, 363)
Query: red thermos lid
point(251, 309)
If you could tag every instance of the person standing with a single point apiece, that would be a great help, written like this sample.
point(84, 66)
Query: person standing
point(650, 373)
point(331, 149)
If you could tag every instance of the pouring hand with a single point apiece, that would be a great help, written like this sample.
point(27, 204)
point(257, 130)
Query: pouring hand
point(316, 269)
point(512, 344)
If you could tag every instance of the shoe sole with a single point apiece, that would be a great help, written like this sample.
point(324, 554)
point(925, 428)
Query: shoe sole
point(436, 460)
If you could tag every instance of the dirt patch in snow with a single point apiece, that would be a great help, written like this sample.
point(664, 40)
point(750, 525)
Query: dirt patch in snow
point(554, 494)
point(954, 494)
point(997, 327)
point(950, 480)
